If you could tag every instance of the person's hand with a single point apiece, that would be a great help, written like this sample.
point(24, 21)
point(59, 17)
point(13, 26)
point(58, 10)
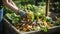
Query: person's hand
point(22, 13)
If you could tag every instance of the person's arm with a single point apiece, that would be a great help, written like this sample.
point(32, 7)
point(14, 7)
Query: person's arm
point(10, 5)
point(13, 7)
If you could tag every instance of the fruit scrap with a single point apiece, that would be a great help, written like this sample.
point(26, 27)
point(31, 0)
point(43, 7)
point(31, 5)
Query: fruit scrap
point(45, 23)
point(17, 27)
point(24, 29)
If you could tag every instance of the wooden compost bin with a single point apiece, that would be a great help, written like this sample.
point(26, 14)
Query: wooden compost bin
point(10, 29)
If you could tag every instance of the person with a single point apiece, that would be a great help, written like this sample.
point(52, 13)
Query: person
point(11, 5)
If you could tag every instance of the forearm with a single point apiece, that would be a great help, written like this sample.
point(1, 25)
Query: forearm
point(10, 6)
point(12, 3)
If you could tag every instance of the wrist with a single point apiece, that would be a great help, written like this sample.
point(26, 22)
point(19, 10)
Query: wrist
point(18, 11)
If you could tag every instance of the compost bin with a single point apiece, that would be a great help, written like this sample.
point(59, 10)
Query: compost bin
point(10, 29)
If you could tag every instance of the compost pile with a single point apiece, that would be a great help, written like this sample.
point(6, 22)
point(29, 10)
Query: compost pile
point(35, 20)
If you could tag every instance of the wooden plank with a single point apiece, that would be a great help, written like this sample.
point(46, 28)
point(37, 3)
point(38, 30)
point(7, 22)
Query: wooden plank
point(47, 7)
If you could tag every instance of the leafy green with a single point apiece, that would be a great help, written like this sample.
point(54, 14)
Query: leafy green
point(44, 29)
point(13, 17)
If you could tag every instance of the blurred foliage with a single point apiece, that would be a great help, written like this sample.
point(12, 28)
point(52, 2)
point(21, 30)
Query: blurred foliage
point(55, 6)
